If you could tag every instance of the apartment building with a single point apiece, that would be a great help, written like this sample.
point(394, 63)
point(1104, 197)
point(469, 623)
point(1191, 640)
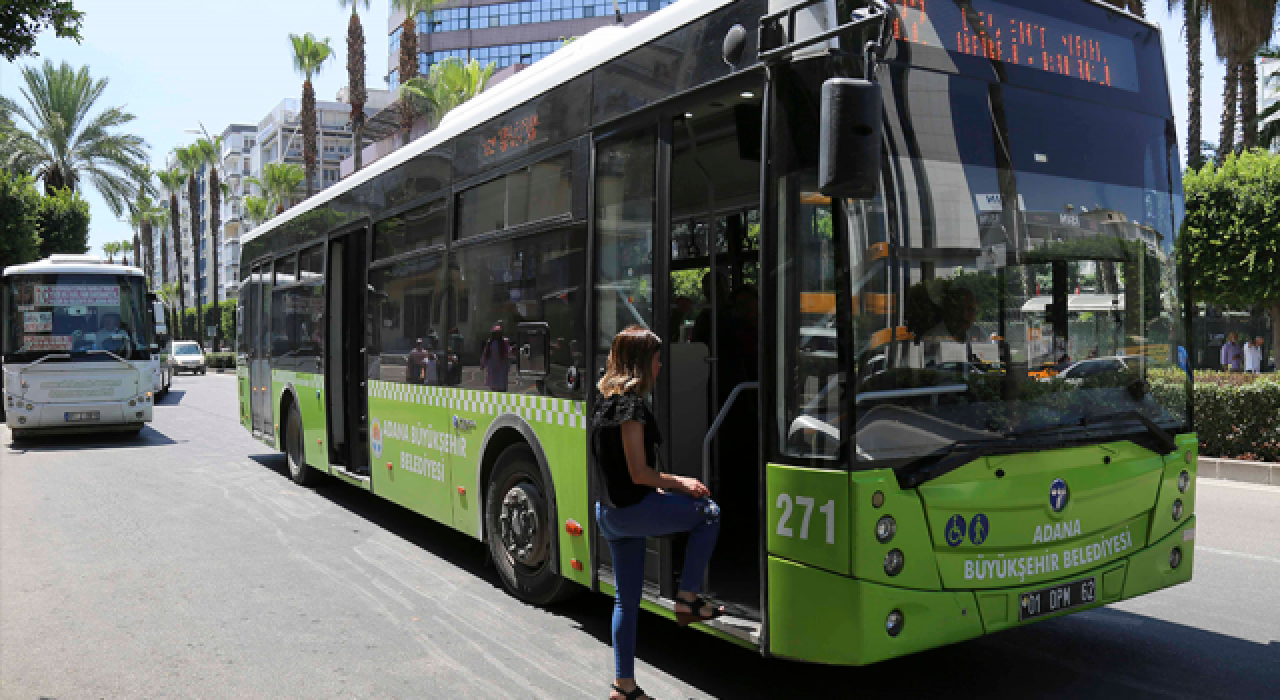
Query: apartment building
point(1268, 86)
point(279, 138)
point(239, 160)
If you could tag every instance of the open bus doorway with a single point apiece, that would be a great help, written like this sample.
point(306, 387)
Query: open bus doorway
point(713, 329)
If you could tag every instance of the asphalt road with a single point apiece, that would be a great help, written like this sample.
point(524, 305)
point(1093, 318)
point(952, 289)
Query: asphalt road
point(185, 563)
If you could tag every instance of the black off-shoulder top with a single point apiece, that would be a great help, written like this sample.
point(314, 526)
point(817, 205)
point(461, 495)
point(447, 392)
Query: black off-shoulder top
point(606, 437)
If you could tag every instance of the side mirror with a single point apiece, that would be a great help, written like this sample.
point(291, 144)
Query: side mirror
point(533, 340)
point(849, 152)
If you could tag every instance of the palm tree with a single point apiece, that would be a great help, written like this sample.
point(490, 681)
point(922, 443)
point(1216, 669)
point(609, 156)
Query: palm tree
point(1192, 18)
point(211, 154)
point(125, 247)
point(63, 144)
point(356, 93)
point(172, 181)
point(110, 249)
point(142, 215)
point(278, 183)
point(192, 160)
point(167, 293)
point(449, 83)
point(308, 56)
point(408, 68)
point(1240, 27)
point(256, 208)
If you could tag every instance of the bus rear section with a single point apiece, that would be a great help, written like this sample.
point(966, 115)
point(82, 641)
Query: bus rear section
point(78, 347)
point(930, 481)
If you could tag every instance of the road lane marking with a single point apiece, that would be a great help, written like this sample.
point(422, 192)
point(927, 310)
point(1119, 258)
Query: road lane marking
point(1232, 553)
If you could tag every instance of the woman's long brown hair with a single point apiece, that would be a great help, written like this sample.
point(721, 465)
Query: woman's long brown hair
point(630, 362)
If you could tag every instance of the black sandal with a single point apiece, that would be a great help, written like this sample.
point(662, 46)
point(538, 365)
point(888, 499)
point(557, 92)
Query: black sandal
point(635, 694)
point(695, 611)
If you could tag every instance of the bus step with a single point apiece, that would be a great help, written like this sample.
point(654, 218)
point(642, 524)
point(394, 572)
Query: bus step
point(739, 627)
point(364, 478)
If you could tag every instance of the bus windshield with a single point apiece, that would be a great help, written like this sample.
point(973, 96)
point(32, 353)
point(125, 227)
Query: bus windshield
point(75, 313)
point(1022, 284)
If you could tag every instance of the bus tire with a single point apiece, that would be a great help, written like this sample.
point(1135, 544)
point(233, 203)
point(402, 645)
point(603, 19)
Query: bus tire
point(519, 529)
point(301, 473)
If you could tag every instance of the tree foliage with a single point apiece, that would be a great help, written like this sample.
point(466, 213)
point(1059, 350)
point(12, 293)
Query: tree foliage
point(19, 219)
point(448, 84)
point(1230, 237)
point(64, 223)
point(62, 143)
point(21, 21)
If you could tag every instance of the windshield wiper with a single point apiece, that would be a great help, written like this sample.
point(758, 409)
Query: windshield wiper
point(1163, 439)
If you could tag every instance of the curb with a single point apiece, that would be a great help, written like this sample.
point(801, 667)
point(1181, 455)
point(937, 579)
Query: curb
point(1240, 470)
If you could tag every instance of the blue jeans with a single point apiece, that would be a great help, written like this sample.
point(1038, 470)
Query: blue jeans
point(625, 529)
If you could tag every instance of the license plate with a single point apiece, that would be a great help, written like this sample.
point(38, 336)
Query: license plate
point(80, 416)
point(1047, 601)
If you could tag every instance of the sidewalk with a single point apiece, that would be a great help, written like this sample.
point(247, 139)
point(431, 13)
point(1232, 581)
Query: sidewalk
point(1240, 470)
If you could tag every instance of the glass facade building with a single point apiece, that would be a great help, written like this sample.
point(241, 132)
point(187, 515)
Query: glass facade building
point(506, 33)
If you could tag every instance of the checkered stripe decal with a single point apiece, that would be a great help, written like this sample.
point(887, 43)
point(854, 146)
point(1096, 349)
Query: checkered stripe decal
point(534, 409)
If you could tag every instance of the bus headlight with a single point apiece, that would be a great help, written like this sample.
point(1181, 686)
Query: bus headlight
point(1177, 509)
point(1184, 481)
point(1175, 558)
point(894, 561)
point(886, 528)
point(894, 622)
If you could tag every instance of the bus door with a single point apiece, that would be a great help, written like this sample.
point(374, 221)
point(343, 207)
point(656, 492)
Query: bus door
point(712, 323)
point(626, 267)
point(260, 353)
point(344, 353)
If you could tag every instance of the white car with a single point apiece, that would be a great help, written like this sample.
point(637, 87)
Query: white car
point(187, 356)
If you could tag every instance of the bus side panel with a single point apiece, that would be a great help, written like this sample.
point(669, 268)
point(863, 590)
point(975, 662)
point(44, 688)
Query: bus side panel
point(823, 617)
point(412, 446)
point(560, 428)
point(309, 388)
point(242, 380)
point(565, 445)
point(809, 516)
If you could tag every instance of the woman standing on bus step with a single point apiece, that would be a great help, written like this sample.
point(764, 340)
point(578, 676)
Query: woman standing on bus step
point(641, 501)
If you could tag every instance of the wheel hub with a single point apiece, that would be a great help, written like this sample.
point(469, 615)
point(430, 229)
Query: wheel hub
point(521, 531)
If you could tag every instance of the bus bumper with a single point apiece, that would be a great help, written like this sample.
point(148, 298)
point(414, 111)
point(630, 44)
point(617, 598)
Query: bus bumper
point(822, 617)
point(51, 418)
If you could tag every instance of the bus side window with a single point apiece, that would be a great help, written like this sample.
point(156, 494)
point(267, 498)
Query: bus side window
point(504, 283)
point(401, 296)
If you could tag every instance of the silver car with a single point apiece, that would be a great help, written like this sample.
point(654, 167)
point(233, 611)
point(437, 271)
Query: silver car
point(187, 356)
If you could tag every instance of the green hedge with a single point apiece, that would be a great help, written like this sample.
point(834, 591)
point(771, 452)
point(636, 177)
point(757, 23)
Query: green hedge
point(1237, 415)
point(220, 360)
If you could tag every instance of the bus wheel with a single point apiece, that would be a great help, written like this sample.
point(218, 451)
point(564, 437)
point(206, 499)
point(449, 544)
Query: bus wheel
point(519, 529)
point(298, 468)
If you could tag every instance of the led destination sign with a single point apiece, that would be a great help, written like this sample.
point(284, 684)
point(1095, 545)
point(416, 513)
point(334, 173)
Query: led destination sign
point(1012, 35)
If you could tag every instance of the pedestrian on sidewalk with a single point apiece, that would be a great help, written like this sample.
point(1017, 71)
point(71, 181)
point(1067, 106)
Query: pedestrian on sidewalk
point(639, 501)
point(1232, 355)
point(1253, 356)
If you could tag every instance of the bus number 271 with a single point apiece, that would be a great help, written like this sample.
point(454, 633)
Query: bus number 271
point(828, 510)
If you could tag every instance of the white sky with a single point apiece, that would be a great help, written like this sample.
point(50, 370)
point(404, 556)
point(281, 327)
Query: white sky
point(173, 65)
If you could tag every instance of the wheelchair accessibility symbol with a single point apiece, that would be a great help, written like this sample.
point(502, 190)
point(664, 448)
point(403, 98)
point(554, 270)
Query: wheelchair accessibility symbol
point(955, 530)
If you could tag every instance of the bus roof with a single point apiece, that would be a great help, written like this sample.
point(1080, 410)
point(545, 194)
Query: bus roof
point(80, 264)
point(570, 61)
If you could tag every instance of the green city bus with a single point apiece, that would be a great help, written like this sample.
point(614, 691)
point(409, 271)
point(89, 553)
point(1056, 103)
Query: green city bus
point(863, 228)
